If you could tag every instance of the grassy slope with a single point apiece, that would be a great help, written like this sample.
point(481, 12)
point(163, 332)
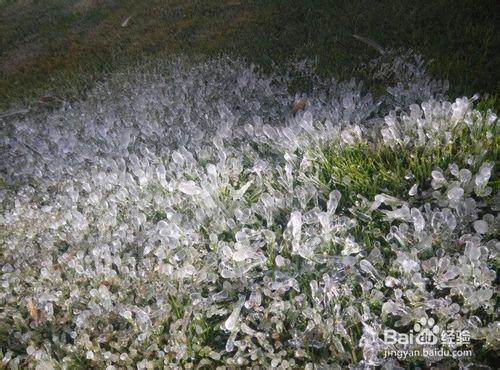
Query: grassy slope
point(54, 46)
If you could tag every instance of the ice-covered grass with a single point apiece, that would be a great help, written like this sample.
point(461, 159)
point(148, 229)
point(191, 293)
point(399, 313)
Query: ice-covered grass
point(181, 215)
point(371, 167)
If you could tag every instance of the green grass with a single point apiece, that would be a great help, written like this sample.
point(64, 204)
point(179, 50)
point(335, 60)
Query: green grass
point(488, 102)
point(54, 48)
point(369, 169)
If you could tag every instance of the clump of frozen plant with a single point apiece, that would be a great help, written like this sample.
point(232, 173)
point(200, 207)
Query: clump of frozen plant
point(401, 76)
point(176, 217)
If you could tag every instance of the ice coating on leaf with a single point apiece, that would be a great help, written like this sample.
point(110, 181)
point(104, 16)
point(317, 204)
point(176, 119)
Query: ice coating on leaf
point(438, 180)
point(418, 219)
point(189, 188)
point(333, 201)
point(459, 107)
point(483, 175)
point(231, 321)
point(413, 190)
point(385, 199)
point(449, 218)
point(481, 226)
point(465, 175)
point(455, 193)
point(350, 246)
point(474, 253)
point(367, 267)
point(296, 224)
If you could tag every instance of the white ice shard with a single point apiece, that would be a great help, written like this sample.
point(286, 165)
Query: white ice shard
point(189, 188)
point(232, 320)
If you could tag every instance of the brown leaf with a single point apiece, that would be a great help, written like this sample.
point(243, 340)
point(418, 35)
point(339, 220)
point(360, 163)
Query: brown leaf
point(34, 312)
point(298, 104)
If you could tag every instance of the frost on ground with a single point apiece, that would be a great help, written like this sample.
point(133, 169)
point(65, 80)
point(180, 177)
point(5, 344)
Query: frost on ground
point(176, 217)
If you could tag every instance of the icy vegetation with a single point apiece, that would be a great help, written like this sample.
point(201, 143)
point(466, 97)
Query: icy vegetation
point(182, 215)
